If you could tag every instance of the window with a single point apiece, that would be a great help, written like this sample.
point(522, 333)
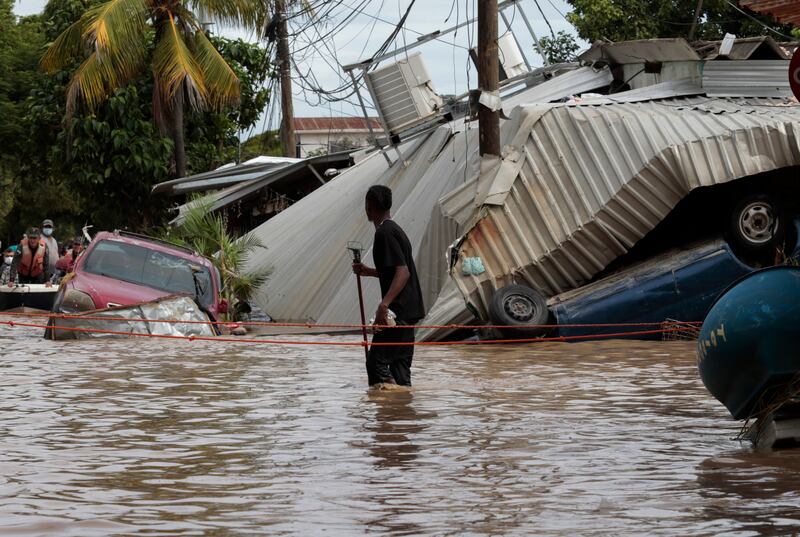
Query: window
point(142, 266)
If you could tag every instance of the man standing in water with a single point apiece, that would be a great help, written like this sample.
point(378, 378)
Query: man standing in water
point(394, 268)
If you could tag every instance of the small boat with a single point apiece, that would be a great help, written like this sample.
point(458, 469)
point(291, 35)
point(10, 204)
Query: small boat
point(749, 345)
point(26, 297)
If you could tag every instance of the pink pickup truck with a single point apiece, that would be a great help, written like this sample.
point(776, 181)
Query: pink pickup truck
point(120, 268)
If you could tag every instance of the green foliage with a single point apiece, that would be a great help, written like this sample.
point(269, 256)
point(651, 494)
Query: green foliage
point(620, 20)
point(207, 233)
point(100, 170)
point(559, 49)
point(266, 143)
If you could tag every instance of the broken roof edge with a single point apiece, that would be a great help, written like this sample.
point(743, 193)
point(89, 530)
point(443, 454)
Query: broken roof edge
point(231, 172)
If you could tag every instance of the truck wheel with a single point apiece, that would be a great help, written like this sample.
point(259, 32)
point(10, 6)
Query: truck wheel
point(756, 225)
point(521, 306)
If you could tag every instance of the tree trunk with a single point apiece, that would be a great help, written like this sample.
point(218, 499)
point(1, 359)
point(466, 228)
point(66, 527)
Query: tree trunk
point(285, 70)
point(488, 77)
point(177, 128)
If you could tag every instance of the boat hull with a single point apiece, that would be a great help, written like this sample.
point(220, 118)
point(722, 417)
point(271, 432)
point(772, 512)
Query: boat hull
point(26, 297)
point(750, 340)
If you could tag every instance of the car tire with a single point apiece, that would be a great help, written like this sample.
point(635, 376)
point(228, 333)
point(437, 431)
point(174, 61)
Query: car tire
point(522, 306)
point(756, 224)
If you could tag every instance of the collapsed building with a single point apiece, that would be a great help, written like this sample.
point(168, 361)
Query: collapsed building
point(595, 156)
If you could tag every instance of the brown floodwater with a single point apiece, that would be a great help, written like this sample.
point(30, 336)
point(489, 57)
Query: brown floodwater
point(152, 438)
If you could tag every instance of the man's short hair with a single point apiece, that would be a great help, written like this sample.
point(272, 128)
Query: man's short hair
point(380, 197)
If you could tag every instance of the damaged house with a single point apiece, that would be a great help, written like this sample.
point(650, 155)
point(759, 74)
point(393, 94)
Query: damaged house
point(639, 141)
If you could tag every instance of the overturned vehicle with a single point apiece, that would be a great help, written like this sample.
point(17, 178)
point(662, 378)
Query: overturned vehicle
point(579, 186)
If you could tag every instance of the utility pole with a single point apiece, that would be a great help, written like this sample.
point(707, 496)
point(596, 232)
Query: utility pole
point(697, 12)
point(488, 78)
point(285, 73)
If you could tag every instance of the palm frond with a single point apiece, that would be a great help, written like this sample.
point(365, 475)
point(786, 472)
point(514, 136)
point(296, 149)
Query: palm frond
point(92, 82)
point(249, 14)
point(65, 49)
point(176, 67)
point(116, 30)
point(221, 81)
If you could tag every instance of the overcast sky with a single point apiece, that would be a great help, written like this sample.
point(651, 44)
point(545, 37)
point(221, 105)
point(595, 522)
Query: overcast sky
point(449, 64)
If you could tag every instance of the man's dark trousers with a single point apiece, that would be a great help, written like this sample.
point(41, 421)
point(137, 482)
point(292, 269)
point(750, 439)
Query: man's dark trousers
point(391, 363)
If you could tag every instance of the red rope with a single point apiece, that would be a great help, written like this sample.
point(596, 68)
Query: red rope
point(342, 326)
point(343, 343)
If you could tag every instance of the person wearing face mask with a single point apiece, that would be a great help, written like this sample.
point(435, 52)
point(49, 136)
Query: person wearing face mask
point(30, 261)
point(52, 244)
point(5, 268)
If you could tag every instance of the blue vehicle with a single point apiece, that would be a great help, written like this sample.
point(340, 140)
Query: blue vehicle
point(679, 284)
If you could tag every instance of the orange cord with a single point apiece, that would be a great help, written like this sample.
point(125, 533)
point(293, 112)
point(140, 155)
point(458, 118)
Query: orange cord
point(13, 324)
point(342, 326)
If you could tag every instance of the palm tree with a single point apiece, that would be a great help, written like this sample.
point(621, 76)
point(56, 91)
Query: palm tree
point(206, 233)
point(113, 41)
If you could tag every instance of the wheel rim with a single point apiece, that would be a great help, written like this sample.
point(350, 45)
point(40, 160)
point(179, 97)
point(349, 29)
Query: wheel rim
point(757, 223)
point(519, 307)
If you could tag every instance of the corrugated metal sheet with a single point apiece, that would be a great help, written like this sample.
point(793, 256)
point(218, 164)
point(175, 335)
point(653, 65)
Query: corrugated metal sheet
point(574, 82)
point(785, 11)
point(755, 78)
point(640, 51)
point(579, 185)
point(312, 280)
point(316, 124)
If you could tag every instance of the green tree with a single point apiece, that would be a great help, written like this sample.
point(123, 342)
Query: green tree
point(559, 48)
point(102, 168)
point(20, 46)
point(118, 40)
point(620, 20)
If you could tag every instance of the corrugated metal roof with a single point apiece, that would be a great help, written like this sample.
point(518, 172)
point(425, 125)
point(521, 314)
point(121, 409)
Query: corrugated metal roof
point(583, 183)
point(640, 51)
point(306, 124)
point(754, 78)
point(312, 280)
point(574, 82)
point(744, 48)
point(785, 11)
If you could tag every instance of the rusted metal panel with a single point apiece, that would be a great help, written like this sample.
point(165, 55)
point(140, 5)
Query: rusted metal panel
point(595, 179)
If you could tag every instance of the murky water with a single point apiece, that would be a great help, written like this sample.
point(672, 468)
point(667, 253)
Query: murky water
point(153, 438)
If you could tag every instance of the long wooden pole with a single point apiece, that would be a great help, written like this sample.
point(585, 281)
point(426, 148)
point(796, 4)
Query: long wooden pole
point(695, 20)
point(285, 72)
point(488, 77)
point(363, 317)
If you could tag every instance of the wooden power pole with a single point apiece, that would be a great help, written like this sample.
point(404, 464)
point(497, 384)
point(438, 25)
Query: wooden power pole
point(488, 78)
point(285, 72)
point(698, 10)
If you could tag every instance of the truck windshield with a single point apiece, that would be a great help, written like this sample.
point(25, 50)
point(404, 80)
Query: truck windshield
point(143, 266)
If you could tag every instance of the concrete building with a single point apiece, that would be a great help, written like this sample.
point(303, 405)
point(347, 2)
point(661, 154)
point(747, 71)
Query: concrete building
point(319, 135)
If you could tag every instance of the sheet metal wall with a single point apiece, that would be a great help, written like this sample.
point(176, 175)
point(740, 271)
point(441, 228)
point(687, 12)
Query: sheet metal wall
point(583, 183)
point(312, 280)
point(752, 78)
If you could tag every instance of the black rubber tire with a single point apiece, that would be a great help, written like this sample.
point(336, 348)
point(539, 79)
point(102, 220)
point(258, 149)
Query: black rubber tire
point(756, 225)
point(519, 305)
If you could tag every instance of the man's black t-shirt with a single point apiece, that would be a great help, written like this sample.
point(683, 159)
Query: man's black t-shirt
point(392, 249)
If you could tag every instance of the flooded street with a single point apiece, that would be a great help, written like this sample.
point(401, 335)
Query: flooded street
point(165, 438)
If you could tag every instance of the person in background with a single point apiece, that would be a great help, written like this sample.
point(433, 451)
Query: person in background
point(30, 261)
point(5, 268)
point(400, 292)
point(66, 263)
point(52, 244)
